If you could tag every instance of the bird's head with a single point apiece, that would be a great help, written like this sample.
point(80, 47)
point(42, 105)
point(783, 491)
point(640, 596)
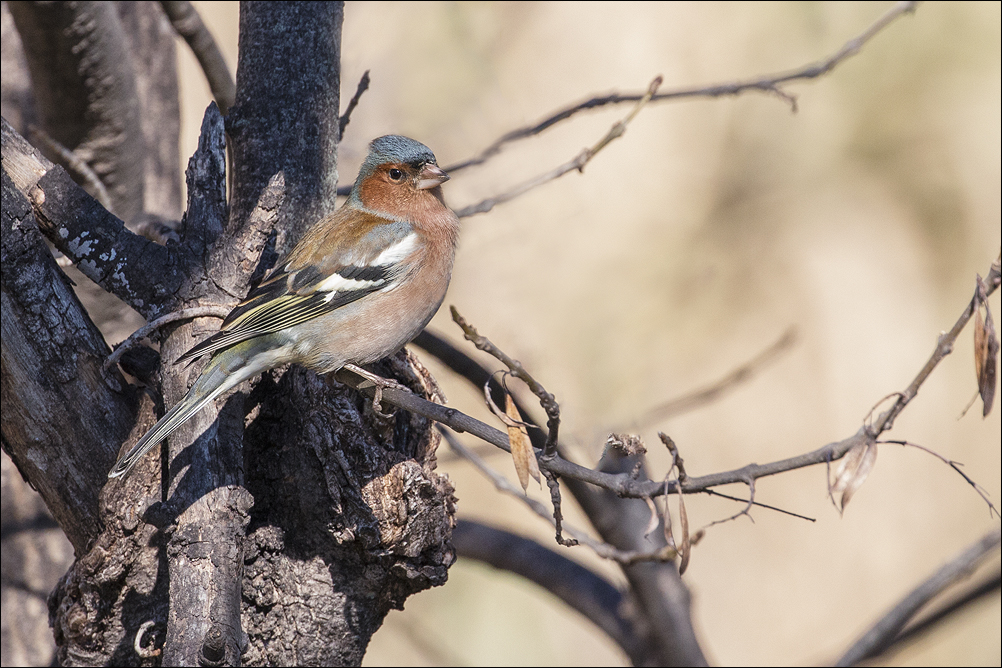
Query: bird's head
point(399, 175)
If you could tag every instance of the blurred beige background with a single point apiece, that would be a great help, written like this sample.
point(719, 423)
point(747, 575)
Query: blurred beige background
point(684, 249)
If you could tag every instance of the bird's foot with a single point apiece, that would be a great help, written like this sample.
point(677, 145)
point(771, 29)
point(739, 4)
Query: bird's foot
point(380, 384)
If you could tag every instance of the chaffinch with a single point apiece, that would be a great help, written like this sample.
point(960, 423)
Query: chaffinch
point(360, 284)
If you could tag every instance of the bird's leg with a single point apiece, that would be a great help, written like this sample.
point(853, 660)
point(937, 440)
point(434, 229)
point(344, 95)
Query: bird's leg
point(379, 383)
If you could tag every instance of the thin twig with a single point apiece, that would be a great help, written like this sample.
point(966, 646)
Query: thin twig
point(943, 348)
point(713, 391)
point(685, 549)
point(546, 400)
point(74, 164)
point(188, 24)
point(600, 548)
point(578, 163)
point(363, 85)
point(676, 457)
point(883, 633)
point(625, 485)
point(553, 484)
point(713, 492)
point(767, 83)
point(956, 467)
point(213, 311)
point(746, 511)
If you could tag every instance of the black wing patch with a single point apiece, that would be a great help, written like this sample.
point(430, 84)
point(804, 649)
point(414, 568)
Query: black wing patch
point(275, 305)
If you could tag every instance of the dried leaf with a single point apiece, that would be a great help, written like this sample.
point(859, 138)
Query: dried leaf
point(652, 523)
point(852, 472)
point(986, 350)
point(669, 537)
point(521, 447)
point(683, 520)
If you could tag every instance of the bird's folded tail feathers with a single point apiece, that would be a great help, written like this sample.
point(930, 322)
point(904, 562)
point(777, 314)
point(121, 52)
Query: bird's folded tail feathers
point(213, 382)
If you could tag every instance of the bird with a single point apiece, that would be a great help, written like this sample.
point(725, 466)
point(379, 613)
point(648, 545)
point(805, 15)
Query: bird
point(360, 284)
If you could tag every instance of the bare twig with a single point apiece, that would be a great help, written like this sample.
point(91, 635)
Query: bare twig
point(713, 391)
point(676, 457)
point(578, 163)
point(626, 485)
point(767, 83)
point(713, 492)
point(213, 311)
point(746, 511)
point(363, 85)
point(956, 467)
point(558, 514)
point(600, 548)
point(74, 164)
point(546, 400)
point(883, 633)
point(685, 549)
point(190, 27)
point(943, 348)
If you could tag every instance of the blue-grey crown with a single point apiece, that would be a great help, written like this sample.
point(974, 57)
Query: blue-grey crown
point(394, 148)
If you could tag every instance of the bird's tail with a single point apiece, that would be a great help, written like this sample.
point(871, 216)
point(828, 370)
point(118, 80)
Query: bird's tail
point(218, 377)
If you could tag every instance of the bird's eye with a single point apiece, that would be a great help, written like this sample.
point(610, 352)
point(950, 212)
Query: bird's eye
point(396, 174)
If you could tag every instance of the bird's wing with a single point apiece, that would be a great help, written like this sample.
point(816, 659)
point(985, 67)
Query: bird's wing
point(339, 261)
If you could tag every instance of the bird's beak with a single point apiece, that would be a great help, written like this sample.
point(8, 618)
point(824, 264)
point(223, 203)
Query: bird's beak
point(431, 175)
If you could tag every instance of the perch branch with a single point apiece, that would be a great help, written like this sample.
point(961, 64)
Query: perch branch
point(625, 485)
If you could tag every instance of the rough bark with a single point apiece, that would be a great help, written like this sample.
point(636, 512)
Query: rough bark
point(286, 115)
point(153, 53)
point(282, 527)
point(85, 90)
point(53, 389)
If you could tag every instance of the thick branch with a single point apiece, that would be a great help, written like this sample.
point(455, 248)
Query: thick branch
point(189, 25)
point(883, 633)
point(63, 415)
point(86, 92)
point(989, 586)
point(141, 273)
point(578, 587)
point(286, 115)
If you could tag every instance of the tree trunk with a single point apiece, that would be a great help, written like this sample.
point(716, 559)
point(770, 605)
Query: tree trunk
point(280, 526)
